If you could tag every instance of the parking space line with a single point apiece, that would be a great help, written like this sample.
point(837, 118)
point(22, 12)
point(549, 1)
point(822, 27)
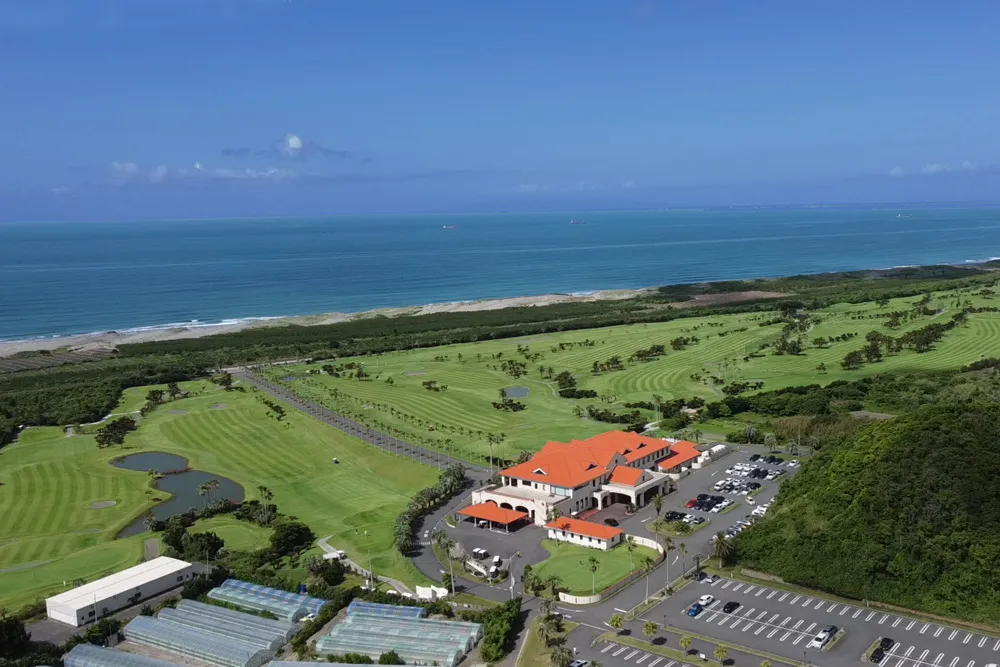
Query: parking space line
point(953, 633)
point(938, 659)
point(621, 650)
point(996, 647)
point(845, 610)
point(798, 639)
point(924, 629)
point(737, 587)
point(832, 607)
point(924, 654)
point(727, 583)
point(809, 629)
point(607, 648)
point(909, 651)
point(784, 636)
point(749, 625)
point(762, 590)
point(643, 658)
point(761, 629)
point(750, 588)
point(715, 583)
point(897, 622)
point(782, 598)
point(967, 638)
point(762, 615)
point(629, 656)
point(654, 663)
point(882, 620)
point(771, 594)
point(869, 616)
point(669, 664)
point(939, 631)
point(795, 599)
point(953, 662)
point(912, 623)
point(820, 604)
point(773, 632)
point(982, 641)
point(807, 602)
point(710, 618)
point(857, 613)
point(971, 663)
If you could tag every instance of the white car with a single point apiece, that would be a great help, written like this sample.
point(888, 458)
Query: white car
point(824, 636)
point(706, 600)
point(751, 501)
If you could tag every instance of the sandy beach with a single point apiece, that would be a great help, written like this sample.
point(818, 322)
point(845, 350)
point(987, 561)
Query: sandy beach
point(111, 339)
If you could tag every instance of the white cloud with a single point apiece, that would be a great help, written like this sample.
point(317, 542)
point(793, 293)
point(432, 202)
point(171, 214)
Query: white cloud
point(628, 184)
point(933, 168)
point(60, 190)
point(896, 172)
point(271, 173)
point(969, 166)
point(937, 168)
point(125, 167)
point(159, 174)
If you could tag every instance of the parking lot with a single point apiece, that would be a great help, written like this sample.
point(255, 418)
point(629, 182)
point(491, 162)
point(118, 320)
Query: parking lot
point(782, 622)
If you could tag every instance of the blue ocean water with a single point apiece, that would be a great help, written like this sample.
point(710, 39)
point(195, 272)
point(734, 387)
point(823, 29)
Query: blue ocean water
point(64, 278)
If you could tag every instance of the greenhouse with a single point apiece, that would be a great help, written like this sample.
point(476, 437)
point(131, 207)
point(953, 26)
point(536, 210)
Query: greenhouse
point(285, 628)
point(388, 610)
point(464, 638)
point(312, 605)
point(226, 629)
point(288, 611)
point(88, 655)
point(192, 643)
point(413, 651)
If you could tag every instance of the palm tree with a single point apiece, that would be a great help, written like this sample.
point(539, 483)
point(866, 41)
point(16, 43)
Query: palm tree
point(560, 656)
point(203, 492)
point(616, 621)
point(685, 642)
point(630, 547)
point(682, 550)
point(721, 547)
point(658, 503)
point(721, 653)
point(214, 487)
point(750, 433)
point(546, 630)
point(770, 441)
point(545, 606)
point(148, 520)
point(650, 629)
point(443, 540)
point(668, 546)
point(647, 567)
point(593, 565)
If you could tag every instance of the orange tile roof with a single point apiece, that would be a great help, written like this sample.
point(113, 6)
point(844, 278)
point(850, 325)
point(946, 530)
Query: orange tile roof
point(681, 452)
point(581, 461)
point(625, 475)
point(585, 528)
point(491, 512)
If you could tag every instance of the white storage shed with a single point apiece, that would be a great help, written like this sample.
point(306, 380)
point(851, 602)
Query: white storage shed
point(90, 602)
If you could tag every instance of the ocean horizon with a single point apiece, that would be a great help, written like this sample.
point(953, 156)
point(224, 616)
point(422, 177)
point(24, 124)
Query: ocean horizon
point(59, 279)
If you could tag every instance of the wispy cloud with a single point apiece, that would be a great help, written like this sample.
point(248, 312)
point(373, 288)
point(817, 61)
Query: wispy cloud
point(938, 168)
point(896, 172)
point(290, 147)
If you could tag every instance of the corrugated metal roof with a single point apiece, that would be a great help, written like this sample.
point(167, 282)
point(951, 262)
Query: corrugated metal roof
point(120, 582)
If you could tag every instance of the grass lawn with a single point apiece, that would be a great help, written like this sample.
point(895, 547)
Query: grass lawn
point(534, 653)
point(238, 535)
point(50, 482)
point(571, 563)
point(459, 419)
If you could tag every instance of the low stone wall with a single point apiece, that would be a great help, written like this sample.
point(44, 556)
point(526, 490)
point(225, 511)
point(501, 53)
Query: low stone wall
point(624, 582)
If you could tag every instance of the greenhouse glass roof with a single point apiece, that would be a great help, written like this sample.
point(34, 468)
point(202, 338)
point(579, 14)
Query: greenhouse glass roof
point(226, 629)
point(463, 639)
point(249, 600)
point(313, 605)
point(193, 607)
point(194, 644)
point(88, 655)
point(390, 610)
point(410, 650)
point(474, 630)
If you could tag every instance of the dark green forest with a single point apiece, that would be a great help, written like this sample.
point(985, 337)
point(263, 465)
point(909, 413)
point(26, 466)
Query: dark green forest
point(906, 512)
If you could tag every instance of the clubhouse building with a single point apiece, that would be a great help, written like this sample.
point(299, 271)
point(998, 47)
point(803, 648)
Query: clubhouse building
point(566, 479)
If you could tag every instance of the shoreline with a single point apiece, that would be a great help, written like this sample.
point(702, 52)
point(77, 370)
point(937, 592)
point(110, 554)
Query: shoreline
point(108, 340)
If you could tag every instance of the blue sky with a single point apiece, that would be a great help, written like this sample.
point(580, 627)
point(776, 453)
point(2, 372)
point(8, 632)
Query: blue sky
point(186, 108)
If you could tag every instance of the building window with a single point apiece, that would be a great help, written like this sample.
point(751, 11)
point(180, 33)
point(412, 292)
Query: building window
point(180, 578)
point(90, 613)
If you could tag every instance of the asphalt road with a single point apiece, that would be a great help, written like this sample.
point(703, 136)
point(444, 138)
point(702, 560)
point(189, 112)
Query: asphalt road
point(781, 622)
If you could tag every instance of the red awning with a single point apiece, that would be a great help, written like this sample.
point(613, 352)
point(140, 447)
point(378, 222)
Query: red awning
point(494, 513)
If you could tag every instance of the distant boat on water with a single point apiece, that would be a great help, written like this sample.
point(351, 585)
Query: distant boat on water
point(577, 222)
point(900, 215)
point(447, 226)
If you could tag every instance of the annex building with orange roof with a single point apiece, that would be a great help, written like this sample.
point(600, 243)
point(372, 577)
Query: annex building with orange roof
point(614, 467)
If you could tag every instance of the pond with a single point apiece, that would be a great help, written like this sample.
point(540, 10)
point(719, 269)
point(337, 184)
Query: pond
point(517, 392)
point(177, 480)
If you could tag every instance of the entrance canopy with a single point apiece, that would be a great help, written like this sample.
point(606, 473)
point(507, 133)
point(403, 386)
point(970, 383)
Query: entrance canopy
point(493, 513)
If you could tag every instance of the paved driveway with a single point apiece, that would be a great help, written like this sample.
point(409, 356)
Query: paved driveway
point(781, 622)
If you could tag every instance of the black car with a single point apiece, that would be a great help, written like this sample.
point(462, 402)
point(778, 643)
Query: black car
point(702, 496)
point(877, 655)
point(673, 516)
point(753, 485)
point(611, 521)
point(730, 607)
point(718, 499)
point(755, 457)
point(886, 643)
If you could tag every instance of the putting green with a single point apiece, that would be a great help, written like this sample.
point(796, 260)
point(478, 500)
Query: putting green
point(50, 482)
point(459, 419)
point(571, 563)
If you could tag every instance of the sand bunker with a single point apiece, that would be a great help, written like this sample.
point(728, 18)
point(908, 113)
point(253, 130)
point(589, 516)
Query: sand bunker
point(103, 504)
point(219, 406)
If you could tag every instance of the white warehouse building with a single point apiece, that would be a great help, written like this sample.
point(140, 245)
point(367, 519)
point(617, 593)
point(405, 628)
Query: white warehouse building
point(90, 602)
